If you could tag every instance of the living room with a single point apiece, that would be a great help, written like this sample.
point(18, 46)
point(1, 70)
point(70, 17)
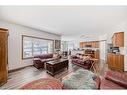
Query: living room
point(52, 44)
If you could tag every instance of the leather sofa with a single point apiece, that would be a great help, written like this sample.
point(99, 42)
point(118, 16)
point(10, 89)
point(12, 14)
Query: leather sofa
point(114, 80)
point(40, 60)
point(78, 60)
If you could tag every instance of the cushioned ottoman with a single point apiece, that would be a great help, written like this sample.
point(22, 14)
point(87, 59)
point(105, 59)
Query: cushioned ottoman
point(44, 83)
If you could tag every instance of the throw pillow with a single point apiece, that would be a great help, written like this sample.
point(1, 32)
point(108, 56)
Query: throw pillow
point(81, 57)
point(85, 58)
point(55, 55)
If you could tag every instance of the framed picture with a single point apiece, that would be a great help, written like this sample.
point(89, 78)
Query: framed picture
point(57, 44)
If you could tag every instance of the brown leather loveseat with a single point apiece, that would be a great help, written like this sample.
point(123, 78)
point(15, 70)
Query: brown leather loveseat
point(79, 60)
point(40, 60)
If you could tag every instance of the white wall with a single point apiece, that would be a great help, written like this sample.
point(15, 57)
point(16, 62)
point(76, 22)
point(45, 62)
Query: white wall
point(15, 43)
point(75, 43)
point(79, 38)
point(103, 50)
point(103, 46)
point(65, 46)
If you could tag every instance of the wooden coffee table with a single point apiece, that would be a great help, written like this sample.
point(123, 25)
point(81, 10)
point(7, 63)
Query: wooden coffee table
point(56, 66)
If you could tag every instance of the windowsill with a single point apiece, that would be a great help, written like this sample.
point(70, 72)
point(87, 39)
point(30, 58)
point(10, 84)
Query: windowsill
point(27, 58)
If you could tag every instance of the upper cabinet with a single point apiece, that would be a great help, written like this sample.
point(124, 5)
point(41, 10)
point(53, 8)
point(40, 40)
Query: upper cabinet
point(92, 44)
point(81, 44)
point(118, 39)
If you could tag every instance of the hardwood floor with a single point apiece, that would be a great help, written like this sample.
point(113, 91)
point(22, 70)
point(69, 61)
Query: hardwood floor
point(18, 78)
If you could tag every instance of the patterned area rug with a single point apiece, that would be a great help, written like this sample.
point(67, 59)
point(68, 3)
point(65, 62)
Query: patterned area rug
point(44, 83)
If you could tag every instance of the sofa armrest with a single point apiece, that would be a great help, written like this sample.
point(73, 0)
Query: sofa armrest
point(88, 61)
point(73, 56)
point(98, 81)
point(36, 61)
point(117, 77)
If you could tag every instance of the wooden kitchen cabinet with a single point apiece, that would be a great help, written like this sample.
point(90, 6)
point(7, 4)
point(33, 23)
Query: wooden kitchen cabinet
point(93, 44)
point(3, 56)
point(97, 44)
point(81, 44)
point(97, 54)
point(84, 44)
point(115, 61)
point(118, 39)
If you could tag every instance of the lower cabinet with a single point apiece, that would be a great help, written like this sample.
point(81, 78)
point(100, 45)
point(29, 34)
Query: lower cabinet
point(97, 54)
point(115, 62)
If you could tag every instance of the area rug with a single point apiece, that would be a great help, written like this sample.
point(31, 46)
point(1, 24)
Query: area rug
point(81, 79)
point(43, 84)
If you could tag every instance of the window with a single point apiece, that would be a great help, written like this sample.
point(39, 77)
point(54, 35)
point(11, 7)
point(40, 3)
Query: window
point(35, 46)
point(70, 46)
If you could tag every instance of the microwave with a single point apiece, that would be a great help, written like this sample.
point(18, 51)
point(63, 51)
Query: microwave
point(115, 49)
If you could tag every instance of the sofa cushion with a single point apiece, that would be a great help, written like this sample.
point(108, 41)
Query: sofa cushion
point(117, 77)
point(80, 61)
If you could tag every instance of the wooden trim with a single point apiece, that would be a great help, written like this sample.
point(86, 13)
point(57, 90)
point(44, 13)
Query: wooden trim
point(27, 58)
point(10, 71)
point(90, 41)
point(3, 29)
point(22, 47)
point(35, 38)
point(102, 40)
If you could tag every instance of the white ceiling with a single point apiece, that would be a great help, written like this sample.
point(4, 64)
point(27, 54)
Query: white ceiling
point(66, 20)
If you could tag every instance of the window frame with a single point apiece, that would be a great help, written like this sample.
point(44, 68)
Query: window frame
point(32, 48)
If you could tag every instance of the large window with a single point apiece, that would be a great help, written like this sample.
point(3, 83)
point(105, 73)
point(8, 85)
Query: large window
point(35, 46)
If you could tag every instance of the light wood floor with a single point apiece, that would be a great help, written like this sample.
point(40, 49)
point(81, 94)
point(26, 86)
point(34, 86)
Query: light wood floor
point(18, 78)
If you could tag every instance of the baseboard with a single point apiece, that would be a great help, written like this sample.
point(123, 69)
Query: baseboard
point(10, 71)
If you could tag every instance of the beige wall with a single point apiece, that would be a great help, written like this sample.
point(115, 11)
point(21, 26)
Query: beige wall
point(15, 43)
